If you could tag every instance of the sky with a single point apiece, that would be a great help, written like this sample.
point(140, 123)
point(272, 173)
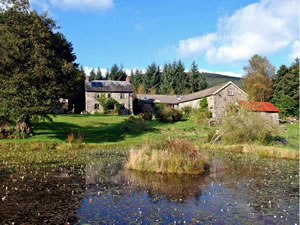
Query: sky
point(220, 35)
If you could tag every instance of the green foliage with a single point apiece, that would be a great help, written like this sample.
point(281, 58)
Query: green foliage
point(109, 105)
point(287, 105)
point(202, 114)
point(117, 73)
point(36, 65)
point(92, 75)
point(166, 114)
point(240, 126)
point(286, 89)
point(151, 78)
point(147, 116)
point(186, 111)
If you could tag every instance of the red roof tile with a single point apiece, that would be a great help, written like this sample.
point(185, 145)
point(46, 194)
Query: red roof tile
point(259, 106)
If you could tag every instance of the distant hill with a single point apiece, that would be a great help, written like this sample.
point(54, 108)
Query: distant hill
point(216, 79)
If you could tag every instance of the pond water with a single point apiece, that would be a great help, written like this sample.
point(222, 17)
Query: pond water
point(250, 190)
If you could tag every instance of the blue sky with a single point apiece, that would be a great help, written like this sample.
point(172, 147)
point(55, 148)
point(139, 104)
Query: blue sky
point(220, 35)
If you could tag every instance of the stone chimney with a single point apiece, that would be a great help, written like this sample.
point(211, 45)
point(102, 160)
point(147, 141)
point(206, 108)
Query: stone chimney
point(128, 79)
point(87, 78)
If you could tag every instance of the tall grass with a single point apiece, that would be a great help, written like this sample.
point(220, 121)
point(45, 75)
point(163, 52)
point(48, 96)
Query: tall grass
point(171, 155)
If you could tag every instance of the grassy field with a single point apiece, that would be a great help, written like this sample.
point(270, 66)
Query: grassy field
point(109, 129)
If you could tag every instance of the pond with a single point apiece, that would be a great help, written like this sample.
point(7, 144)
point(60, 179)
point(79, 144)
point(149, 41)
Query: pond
point(248, 190)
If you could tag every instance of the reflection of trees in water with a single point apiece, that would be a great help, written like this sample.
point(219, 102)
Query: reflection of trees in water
point(41, 195)
point(172, 187)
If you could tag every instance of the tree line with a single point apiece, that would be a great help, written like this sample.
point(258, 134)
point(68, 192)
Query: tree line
point(170, 79)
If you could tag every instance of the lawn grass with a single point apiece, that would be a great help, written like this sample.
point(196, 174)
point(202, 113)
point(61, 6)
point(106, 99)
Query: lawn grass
point(115, 133)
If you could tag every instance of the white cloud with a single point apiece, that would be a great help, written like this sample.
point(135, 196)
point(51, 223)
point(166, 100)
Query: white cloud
point(196, 45)
point(83, 4)
point(260, 28)
point(295, 50)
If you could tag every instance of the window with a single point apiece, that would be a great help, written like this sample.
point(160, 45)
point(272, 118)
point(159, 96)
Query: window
point(109, 95)
point(122, 106)
point(96, 106)
point(230, 92)
point(121, 96)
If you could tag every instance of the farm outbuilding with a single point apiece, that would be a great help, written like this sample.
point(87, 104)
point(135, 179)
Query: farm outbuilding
point(265, 109)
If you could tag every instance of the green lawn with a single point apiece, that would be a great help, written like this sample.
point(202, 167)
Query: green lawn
point(105, 129)
point(109, 129)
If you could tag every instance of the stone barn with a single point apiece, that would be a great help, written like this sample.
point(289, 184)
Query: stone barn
point(218, 97)
point(265, 109)
point(121, 91)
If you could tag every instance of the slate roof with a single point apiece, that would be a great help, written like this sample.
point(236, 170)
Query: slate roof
point(259, 106)
point(166, 99)
point(108, 86)
point(176, 99)
point(204, 93)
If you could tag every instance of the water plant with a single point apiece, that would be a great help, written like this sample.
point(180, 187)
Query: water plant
point(170, 155)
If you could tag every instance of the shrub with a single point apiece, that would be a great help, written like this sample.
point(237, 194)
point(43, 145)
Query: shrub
point(131, 118)
point(202, 114)
point(240, 126)
point(166, 114)
point(171, 155)
point(186, 111)
point(147, 116)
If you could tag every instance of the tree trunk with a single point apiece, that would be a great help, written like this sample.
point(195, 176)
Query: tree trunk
point(23, 126)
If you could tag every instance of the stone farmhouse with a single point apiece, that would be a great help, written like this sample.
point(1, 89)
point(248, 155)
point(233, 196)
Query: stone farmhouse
point(118, 90)
point(217, 97)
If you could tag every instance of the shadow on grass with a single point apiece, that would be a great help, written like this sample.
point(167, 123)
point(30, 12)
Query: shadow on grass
point(98, 133)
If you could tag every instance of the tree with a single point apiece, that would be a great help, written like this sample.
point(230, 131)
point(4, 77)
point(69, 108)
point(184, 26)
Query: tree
point(286, 89)
point(180, 77)
point(167, 79)
point(258, 82)
point(117, 73)
point(151, 77)
point(36, 65)
point(92, 75)
point(193, 78)
point(98, 74)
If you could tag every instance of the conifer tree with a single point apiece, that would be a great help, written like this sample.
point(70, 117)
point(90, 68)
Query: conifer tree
point(92, 75)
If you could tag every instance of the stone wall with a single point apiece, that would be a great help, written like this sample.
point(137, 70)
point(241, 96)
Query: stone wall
point(91, 101)
point(224, 97)
point(272, 117)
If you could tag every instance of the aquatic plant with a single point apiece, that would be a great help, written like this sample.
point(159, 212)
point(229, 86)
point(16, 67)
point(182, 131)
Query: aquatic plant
point(170, 155)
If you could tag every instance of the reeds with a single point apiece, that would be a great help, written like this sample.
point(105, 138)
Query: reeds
point(170, 155)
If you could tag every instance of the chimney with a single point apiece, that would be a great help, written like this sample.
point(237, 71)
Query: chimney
point(128, 79)
point(87, 78)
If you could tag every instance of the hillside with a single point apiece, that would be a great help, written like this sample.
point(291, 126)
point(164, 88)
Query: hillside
point(215, 79)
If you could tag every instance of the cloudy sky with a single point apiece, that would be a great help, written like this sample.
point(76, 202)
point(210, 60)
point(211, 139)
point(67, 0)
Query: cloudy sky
point(220, 35)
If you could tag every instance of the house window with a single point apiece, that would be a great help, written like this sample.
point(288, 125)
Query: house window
point(109, 95)
point(230, 92)
point(96, 106)
point(122, 96)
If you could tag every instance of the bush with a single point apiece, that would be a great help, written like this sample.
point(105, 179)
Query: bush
point(171, 155)
point(166, 114)
point(186, 111)
point(202, 114)
point(240, 126)
point(147, 116)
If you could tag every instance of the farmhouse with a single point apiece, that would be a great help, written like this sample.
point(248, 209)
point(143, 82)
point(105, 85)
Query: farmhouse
point(218, 98)
point(265, 109)
point(118, 90)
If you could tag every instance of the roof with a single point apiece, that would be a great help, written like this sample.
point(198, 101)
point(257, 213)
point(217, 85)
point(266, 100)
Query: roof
point(108, 86)
point(204, 93)
point(176, 99)
point(259, 106)
point(167, 99)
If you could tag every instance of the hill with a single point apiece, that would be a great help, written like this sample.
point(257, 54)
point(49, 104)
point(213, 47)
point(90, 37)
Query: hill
point(214, 79)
